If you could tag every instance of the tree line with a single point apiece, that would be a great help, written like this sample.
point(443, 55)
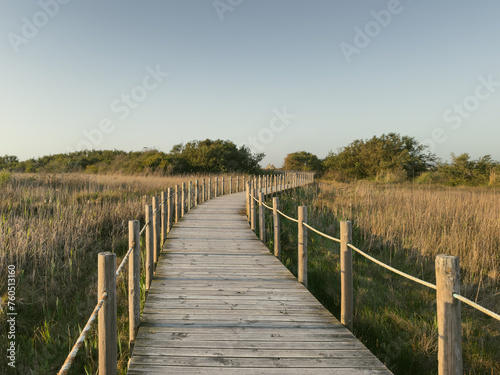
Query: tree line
point(208, 156)
point(386, 158)
point(395, 158)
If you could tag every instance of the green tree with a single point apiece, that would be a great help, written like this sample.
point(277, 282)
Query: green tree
point(214, 156)
point(8, 162)
point(387, 153)
point(464, 171)
point(197, 156)
point(302, 161)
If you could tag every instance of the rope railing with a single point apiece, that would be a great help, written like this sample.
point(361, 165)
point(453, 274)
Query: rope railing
point(417, 280)
point(392, 269)
point(200, 190)
point(288, 217)
point(144, 228)
point(124, 260)
point(266, 206)
point(156, 209)
point(321, 233)
point(74, 351)
point(476, 306)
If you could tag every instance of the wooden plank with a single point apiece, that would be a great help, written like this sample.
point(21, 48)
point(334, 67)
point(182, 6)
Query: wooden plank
point(162, 370)
point(220, 302)
point(253, 344)
point(245, 353)
point(256, 362)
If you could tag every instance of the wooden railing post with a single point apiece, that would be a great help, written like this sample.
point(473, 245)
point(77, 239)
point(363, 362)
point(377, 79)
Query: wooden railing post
point(163, 198)
point(149, 246)
point(209, 191)
point(134, 278)
point(169, 209)
point(247, 196)
point(230, 184)
point(216, 190)
point(302, 271)
point(238, 184)
point(177, 208)
point(156, 226)
point(222, 185)
point(106, 282)
point(252, 209)
point(448, 315)
point(183, 199)
point(346, 298)
point(277, 228)
point(262, 218)
point(203, 189)
point(190, 192)
point(196, 193)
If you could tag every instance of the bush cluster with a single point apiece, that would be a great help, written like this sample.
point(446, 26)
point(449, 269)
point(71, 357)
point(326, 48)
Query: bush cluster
point(392, 158)
point(206, 156)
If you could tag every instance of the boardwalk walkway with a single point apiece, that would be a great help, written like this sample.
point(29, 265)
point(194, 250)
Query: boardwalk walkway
point(220, 303)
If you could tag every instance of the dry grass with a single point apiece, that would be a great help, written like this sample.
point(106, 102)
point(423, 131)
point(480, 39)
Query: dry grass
point(426, 221)
point(52, 228)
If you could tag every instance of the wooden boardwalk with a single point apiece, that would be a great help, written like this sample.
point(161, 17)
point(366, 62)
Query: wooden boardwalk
point(221, 303)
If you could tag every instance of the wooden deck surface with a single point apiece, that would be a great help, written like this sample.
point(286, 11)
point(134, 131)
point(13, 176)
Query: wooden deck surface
point(220, 303)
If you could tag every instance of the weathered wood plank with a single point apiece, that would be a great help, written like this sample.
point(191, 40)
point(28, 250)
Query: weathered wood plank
point(256, 362)
point(162, 370)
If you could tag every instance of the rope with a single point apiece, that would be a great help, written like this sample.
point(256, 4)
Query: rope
point(266, 206)
point(425, 283)
point(475, 305)
point(74, 351)
point(125, 259)
point(288, 217)
point(144, 228)
point(321, 233)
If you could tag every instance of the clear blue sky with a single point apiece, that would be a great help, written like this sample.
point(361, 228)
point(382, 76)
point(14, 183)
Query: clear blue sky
point(290, 75)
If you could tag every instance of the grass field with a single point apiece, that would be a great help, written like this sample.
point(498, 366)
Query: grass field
point(52, 228)
point(406, 226)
